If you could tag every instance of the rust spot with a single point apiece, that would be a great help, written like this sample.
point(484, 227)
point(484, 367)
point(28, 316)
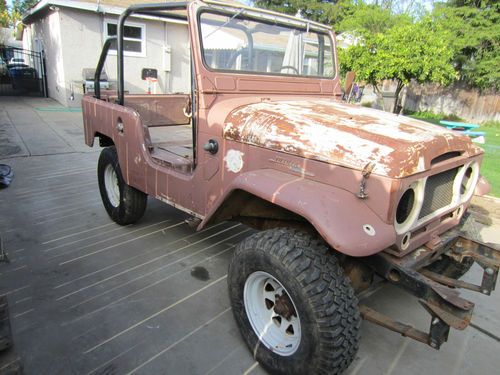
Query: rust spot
point(343, 134)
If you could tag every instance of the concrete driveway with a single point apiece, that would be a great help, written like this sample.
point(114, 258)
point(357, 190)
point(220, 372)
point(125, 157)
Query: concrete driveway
point(89, 296)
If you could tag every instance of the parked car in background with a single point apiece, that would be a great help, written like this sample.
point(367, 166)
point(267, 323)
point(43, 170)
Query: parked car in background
point(23, 78)
point(17, 61)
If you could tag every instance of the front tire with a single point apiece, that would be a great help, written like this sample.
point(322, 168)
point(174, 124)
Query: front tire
point(293, 304)
point(123, 203)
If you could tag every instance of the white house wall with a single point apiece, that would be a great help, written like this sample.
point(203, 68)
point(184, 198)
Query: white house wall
point(48, 30)
point(178, 39)
point(75, 41)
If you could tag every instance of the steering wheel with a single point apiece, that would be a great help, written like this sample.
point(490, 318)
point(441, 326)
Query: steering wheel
point(290, 67)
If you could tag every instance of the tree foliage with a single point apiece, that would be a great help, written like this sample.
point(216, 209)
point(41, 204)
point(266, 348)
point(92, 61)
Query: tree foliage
point(4, 18)
point(470, 28)
point(411, 51)
point(21, 6)
point(4, 14)
point(474, 27)
point(12, 17)
point(329, 12)
point(368, 19)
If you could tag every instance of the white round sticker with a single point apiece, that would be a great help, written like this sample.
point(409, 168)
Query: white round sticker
point(234, 160)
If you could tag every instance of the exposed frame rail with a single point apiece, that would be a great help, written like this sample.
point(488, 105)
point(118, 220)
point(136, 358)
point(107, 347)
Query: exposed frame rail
point(436, 293)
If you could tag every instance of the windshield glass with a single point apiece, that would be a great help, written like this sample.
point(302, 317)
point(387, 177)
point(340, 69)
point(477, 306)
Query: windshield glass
point(237, 43)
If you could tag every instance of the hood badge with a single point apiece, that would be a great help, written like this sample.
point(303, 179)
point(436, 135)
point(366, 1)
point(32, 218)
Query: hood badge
point(366, 172)
point(294, 167)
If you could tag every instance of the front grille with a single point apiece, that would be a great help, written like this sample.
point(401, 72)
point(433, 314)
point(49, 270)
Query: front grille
point(438, 192)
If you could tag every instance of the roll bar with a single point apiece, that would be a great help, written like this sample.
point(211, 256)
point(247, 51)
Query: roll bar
point(146, 9)
point(100, 65)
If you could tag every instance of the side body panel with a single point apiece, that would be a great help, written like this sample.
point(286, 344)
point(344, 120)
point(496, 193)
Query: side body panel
point(323, 193)
point(137, 166)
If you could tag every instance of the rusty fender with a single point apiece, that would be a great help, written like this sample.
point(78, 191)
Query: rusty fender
point(343, 220)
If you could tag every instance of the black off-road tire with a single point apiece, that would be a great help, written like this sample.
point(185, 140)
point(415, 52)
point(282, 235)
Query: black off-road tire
point(132, 202)
point(323, 296)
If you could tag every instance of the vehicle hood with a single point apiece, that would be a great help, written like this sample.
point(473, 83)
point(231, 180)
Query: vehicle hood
point(345, 135)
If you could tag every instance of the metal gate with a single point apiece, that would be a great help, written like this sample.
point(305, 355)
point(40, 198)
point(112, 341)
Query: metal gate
point(22, 72)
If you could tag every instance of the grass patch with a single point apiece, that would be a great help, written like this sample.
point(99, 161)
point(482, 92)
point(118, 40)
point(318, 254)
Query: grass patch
point(432, 117)
point(490, 168)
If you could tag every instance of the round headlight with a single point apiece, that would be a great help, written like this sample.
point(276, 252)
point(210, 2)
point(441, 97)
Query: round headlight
point(408, 207)
point(405, 206)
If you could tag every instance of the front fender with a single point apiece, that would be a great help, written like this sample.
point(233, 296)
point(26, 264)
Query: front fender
point(342, 219)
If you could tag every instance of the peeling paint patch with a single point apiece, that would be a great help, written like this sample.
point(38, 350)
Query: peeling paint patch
point(234, 160)
point(345, 135)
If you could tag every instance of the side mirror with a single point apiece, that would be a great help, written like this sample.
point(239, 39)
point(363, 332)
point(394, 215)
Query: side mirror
point(349, 82)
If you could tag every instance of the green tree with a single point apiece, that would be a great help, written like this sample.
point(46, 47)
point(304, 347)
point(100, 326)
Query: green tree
point(325, 11)
point(474, 27)
point(21, 6)
point(367, 19)
point(414, 8)
point(4, 18)
point(414, 51)
point(4, 14)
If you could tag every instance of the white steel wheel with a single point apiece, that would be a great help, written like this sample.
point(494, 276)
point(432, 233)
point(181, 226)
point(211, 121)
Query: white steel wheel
point(272, 313)
point(123, 203)
point(293, 304)
point(111, 184)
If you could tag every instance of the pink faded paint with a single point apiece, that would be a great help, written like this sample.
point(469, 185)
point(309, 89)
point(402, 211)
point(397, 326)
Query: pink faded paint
point(345, 135)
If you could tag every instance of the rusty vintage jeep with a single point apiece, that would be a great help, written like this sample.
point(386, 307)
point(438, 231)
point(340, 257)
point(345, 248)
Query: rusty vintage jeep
point(339, 192)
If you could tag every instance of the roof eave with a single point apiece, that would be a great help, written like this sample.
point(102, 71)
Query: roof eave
point(32, 13)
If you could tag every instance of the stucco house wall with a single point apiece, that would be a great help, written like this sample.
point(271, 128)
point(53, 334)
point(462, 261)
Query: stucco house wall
point(178, 39)
point(47, 30)
point(72, 40)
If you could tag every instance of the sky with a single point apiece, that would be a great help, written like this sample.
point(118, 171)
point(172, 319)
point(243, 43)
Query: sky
point(427, 3)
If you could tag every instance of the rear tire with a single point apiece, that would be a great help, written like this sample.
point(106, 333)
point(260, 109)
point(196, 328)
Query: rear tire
point(294, 306)
point(123, 203)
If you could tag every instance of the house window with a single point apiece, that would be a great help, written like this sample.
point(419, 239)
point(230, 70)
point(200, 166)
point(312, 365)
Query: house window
point(133, 38)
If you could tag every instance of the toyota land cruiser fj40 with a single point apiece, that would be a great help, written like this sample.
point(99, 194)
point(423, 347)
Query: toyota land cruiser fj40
point(339, 192)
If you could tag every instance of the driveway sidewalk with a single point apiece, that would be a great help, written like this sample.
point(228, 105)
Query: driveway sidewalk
point(89, 296)
point(37, 126)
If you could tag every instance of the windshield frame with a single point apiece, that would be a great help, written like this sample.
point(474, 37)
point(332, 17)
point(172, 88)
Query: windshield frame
point(242, 14)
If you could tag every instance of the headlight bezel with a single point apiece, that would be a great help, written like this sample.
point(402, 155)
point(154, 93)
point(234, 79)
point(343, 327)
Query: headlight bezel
point(418, 188)
point(468, 172)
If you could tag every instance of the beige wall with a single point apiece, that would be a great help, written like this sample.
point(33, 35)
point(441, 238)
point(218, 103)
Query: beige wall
point(48, 30)
point(74, 38)
point(178, 39)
